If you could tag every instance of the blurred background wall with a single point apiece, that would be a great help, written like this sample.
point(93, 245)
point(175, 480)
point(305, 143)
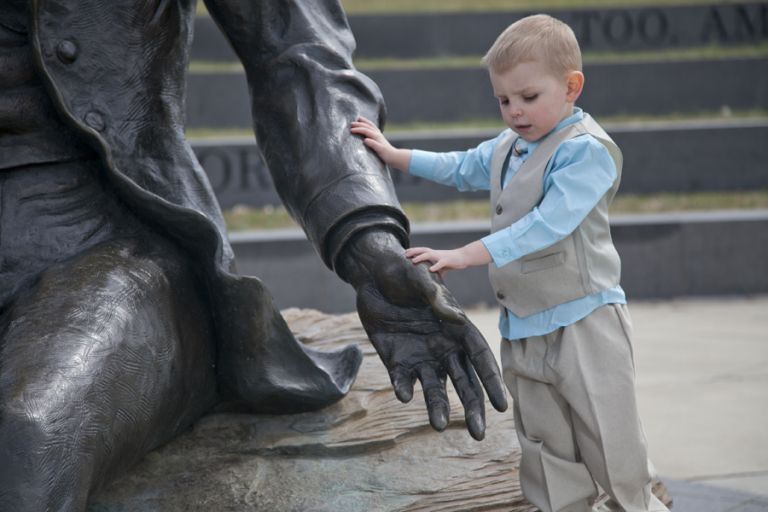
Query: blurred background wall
point(682, 86)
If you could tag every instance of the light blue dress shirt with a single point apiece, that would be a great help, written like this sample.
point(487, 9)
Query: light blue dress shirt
point(577, 176)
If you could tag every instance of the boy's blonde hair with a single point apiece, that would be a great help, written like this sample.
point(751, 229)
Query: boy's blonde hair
point(540, 38)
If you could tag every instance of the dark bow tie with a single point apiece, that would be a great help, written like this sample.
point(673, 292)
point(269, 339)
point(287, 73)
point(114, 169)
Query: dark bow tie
point(520, 148)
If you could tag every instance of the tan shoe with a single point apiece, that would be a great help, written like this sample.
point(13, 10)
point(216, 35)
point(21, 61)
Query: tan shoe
point(604, 503)
point(660, 491)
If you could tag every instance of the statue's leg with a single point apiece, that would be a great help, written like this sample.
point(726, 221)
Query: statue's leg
point(104, 358)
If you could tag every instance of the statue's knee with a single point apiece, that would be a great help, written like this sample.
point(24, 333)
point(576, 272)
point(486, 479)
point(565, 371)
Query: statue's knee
point(28, 424)
point(155, 271)
point(69, 376)
point(33, 460)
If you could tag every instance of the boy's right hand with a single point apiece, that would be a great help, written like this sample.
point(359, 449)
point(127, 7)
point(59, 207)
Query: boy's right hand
point(374, 139)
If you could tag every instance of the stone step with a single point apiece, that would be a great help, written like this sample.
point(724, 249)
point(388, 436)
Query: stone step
point(220, 100)
point(611, 29)
point(663, 256)
point(683, 156)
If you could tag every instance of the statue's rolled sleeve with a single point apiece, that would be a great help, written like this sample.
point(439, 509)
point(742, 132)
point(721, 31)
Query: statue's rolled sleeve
point(346, 228)
point(305, 92)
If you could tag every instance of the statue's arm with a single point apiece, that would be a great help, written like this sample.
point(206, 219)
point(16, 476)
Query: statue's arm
point(305, 92)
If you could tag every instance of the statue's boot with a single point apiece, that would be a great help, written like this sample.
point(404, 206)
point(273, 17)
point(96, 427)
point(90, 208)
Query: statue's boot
point(264, 368)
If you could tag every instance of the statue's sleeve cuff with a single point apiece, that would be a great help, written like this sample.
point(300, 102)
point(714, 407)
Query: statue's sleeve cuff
point(379, 219)
point(353, 204)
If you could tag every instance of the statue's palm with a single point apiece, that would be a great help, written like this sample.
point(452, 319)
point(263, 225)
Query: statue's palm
point(420, 332)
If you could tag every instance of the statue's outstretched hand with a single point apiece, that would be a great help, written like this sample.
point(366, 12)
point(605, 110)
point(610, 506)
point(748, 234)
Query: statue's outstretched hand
point(420, 332)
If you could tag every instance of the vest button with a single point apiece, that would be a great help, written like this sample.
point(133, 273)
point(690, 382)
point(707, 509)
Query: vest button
point(500, 296)
point(95, 120)
point(499, 209)
point(66, 50)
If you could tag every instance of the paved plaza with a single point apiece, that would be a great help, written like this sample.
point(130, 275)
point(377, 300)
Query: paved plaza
point(702, 386)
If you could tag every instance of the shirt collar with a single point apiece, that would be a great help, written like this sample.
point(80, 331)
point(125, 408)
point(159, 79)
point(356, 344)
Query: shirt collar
point(575, 117)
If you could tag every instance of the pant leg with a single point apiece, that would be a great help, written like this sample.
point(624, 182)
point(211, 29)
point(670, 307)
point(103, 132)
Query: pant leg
point(104, 358)
point(594, 369)
point(552, 476)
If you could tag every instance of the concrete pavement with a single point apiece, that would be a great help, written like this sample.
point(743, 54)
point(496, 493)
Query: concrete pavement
point(702, 385)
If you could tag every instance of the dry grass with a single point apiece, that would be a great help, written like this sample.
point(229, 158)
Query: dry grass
point(244, 218)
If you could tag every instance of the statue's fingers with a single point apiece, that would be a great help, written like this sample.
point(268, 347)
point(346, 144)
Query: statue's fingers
point(402, 382)
point(486, 367)
point(435, 396)
point(470, 393)
point(401, 377)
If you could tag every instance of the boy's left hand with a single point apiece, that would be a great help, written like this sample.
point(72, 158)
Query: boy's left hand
point(470, 255)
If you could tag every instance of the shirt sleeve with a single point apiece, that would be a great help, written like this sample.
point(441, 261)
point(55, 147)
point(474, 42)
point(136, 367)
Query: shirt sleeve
point(579, 173)
point(464, 170)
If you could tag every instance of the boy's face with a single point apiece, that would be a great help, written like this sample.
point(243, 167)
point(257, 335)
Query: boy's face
point(533, 100)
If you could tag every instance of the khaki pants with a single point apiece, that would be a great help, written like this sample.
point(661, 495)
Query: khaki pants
point(576, 415)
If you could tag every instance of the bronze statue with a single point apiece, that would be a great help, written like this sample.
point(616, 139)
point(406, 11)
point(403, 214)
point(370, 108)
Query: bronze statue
point(122, 317)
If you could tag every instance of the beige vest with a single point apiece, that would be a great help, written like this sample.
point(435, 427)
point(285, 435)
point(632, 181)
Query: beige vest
point(583, 263)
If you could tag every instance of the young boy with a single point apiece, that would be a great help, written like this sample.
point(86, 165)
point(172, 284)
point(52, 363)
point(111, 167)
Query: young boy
point(566, 350)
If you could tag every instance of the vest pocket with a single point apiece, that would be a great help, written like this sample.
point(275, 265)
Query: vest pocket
point(543, 262)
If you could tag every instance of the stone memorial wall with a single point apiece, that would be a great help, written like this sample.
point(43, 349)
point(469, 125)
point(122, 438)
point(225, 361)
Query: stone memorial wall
point(684, 157)
point(659, 155)
point(605, 30)
point(598, 30)
point(682, 89)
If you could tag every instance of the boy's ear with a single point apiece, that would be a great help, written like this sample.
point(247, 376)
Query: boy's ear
point(575, 84)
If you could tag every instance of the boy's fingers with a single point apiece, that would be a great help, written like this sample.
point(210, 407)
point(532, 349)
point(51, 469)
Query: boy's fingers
point(366, 122)
point(414, 251)
point(370, 136)
point(361, 130)
point(421, 257)
point(437, 266)
point(367, 128)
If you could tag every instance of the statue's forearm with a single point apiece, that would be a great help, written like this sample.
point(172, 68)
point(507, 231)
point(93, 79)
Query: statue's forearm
point(359, 241)
point(305, 93)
